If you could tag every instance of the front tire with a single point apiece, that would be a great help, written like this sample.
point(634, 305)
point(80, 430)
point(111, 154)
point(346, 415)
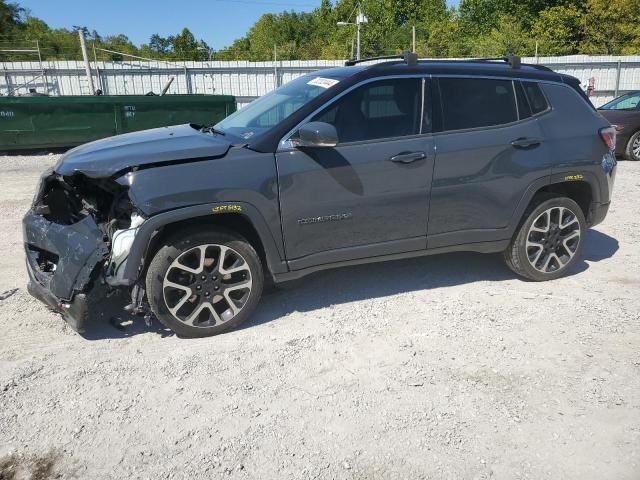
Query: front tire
point(549, 240)
point(203, 283)
point(632, 152)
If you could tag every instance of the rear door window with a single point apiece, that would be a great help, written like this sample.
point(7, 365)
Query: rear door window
point(476, 102)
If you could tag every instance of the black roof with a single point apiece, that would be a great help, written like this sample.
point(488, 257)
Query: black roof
point(459, 67)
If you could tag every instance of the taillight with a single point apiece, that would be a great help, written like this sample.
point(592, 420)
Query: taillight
point(608, 136)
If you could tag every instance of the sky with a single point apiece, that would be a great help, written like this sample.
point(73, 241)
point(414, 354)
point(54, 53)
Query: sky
point(217, 22)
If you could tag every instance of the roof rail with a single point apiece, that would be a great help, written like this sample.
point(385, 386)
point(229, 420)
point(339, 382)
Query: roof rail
point(513, 60)
point(410, 58)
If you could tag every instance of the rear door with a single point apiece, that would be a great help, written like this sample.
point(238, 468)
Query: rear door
point(490, 149)
point(369, 195)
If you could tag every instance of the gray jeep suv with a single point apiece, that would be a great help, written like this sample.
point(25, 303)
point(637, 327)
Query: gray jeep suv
point(344, 166)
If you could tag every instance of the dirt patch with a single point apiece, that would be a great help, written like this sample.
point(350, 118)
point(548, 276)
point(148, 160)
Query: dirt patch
point(29, 467)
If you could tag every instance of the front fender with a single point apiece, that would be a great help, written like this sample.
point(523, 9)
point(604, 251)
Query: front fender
point(135, 260)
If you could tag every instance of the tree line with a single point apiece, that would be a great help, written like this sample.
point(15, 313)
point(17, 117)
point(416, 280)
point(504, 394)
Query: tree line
point(482, 28)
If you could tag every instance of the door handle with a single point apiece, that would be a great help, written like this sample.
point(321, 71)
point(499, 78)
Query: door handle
point(526, 142)
point(408, 157)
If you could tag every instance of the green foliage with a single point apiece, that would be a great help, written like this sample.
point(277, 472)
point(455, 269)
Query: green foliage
point(559, 30)
point(508, 35)
point(611, 26)
point(10, 16)
point(475, 28)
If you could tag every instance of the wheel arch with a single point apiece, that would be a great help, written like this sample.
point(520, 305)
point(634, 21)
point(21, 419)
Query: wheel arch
point(239, 217)
point(584, 189)
point(579, 191)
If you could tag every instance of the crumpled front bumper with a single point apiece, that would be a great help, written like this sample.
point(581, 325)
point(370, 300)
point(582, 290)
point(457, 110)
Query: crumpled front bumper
point(60, 262)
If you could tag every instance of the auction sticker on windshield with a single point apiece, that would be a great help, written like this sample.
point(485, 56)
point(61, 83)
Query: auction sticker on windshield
point(322, 82)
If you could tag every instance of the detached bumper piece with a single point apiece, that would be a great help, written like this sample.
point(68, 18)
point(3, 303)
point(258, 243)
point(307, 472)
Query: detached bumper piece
point(76, 313)
point(60, 261)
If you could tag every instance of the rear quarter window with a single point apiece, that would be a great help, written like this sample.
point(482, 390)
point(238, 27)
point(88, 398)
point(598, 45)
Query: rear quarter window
point(537, 100)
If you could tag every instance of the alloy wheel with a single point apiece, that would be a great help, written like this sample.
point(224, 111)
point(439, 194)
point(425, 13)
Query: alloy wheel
point(207, 285)
point(553, 239)
point(635, 148)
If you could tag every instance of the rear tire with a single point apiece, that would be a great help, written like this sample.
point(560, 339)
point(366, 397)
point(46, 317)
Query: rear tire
point(549, 240)
point(202, 283)
point(632, 152)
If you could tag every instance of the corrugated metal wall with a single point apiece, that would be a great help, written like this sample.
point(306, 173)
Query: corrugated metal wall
point(248, 80)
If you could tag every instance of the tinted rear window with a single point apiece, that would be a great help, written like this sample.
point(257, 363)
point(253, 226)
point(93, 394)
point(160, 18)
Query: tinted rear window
point(536, 98)
point(473, 103)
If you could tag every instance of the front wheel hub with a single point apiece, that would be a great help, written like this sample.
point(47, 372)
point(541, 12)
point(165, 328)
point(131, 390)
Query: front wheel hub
point(192, 278)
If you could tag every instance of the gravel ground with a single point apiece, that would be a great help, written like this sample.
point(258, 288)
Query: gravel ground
point(443, 367)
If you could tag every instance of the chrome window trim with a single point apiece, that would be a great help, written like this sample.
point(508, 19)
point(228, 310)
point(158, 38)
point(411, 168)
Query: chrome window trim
point(283, 144)
point(424, 81)
point(515, 99)
point(513, 80)
point(559, 83)
point(488, 127)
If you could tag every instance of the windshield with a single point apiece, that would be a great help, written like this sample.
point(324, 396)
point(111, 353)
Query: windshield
point(629, 101)
point(264, 113)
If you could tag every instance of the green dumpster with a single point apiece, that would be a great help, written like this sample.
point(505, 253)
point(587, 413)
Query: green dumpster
point(49, 122)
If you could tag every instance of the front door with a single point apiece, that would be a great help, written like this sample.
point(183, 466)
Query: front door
point(369, 195)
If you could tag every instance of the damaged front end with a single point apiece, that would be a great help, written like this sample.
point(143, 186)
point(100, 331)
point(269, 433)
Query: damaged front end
point(77, 235)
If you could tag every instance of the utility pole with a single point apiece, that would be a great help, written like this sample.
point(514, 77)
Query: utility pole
point(85, 57)
point(413, 34)
point(275, 65)
point(537, 60)
point(44, 72)
point(360, 19)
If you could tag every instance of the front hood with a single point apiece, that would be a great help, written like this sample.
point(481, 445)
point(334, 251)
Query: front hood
point(106, 157)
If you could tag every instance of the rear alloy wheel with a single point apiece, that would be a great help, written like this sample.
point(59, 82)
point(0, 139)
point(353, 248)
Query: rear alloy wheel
point(553, 239)
point(205, 283)
point(549, 241)
point(633, 147)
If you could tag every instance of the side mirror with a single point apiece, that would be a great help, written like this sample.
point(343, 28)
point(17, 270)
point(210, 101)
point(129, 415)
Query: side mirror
point(316, 134)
